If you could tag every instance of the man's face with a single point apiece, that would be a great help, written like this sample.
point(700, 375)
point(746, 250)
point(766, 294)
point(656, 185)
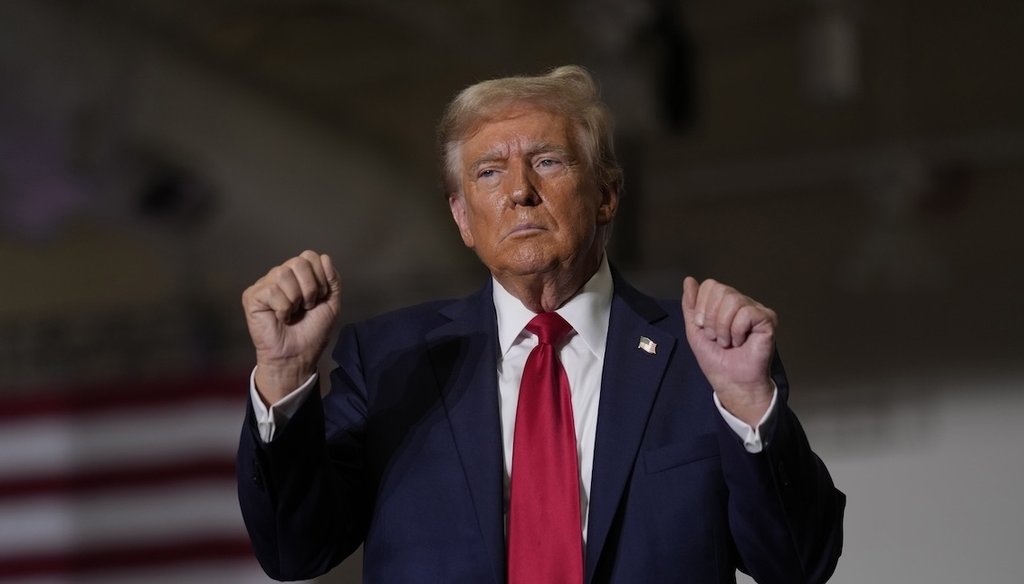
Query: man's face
point(529, 203)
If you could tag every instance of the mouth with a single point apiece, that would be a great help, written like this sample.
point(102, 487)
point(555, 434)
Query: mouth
point(525, 230)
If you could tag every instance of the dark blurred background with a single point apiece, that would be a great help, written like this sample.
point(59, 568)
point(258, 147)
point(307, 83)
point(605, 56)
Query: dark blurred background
point(856, 165)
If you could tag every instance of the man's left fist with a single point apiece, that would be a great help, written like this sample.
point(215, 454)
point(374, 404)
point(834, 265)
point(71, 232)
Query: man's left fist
point(733, 338)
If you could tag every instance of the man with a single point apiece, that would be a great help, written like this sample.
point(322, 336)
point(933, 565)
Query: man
point(435, 448)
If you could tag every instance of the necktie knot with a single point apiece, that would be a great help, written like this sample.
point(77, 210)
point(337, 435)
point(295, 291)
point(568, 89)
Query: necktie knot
point(549, 327)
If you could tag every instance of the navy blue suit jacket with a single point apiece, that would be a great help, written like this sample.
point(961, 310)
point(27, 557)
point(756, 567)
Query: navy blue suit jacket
point(404, 455)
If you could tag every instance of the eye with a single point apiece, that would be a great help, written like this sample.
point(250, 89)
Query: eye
point(486, 173)
point(548, 165)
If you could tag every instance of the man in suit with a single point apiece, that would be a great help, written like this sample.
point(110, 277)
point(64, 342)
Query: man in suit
point(685, 462)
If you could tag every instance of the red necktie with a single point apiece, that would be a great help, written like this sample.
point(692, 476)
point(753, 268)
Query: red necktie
point(545, 541)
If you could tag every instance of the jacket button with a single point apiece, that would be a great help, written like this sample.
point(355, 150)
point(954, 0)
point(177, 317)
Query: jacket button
point(781, 473)
point(257, 478)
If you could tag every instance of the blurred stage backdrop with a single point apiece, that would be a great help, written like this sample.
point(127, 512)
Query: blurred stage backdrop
point(856, 164)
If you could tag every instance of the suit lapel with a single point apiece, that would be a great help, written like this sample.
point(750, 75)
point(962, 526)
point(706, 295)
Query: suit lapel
point(463, 353)
point(629, 386)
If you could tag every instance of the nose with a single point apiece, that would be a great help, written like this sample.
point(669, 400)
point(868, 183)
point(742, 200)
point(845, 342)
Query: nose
point(522, 188)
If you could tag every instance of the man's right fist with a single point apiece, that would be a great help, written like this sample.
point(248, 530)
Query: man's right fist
point(291, 313)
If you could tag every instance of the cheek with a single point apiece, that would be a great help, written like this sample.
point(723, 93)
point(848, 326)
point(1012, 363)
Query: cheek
point(484, 219)
point(495, 207)
point(582, 220)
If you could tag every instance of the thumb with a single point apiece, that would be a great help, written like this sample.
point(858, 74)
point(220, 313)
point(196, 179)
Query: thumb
point(690, 287)
point(333, 281)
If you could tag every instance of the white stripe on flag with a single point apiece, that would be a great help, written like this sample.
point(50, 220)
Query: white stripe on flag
point(63, 443)
point(201, 573)
point(95, 521)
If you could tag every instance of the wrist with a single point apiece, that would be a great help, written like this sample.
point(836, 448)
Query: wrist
point(274, 381)
point(748, 402)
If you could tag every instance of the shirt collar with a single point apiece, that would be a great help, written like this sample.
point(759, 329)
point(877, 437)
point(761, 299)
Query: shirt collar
point(587, 312)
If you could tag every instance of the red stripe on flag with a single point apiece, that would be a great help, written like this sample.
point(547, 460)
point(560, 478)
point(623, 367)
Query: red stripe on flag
point(86, 481)
point(127, 397)
point(126, 556)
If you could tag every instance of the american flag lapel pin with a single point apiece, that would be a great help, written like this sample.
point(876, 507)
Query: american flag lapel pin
point(647, 345)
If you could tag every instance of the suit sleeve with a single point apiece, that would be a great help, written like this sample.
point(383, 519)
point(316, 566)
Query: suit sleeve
point(785, 514)
point(304, 496)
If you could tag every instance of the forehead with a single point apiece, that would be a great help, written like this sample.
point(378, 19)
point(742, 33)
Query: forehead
point(519, 127)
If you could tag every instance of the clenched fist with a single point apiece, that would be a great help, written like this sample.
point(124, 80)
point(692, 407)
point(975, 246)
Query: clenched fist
point(291, 313)
point(733, 338)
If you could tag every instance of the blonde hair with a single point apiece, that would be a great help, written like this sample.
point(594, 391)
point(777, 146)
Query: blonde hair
point(569, 91)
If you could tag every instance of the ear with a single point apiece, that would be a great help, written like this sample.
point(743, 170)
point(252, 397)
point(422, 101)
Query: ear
point(457, 203)
point(609, 204)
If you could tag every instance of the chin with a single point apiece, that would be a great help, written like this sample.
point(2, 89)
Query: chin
point(533, 264)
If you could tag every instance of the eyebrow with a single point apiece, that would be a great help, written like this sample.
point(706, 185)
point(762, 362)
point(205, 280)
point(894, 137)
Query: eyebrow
point(549, 147)
point(492, 155)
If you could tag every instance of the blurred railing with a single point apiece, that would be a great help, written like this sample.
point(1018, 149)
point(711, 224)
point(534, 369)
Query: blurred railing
point(130, 342)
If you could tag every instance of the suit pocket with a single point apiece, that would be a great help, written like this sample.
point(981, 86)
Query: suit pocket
point(702, 447)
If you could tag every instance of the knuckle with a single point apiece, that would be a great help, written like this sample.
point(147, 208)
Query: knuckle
point(732, 302)
point(278, 272)
point(255, 294)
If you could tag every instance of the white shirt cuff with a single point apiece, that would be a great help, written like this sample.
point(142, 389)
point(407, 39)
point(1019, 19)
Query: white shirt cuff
point(270, 420)
point(751, 436)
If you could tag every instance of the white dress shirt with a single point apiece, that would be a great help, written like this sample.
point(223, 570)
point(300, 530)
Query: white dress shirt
point(582, 355)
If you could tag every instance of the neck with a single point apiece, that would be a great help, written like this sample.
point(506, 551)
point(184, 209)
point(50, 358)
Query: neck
point(547, 291)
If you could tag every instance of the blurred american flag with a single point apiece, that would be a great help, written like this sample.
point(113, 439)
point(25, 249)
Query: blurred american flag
point(123, 484)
